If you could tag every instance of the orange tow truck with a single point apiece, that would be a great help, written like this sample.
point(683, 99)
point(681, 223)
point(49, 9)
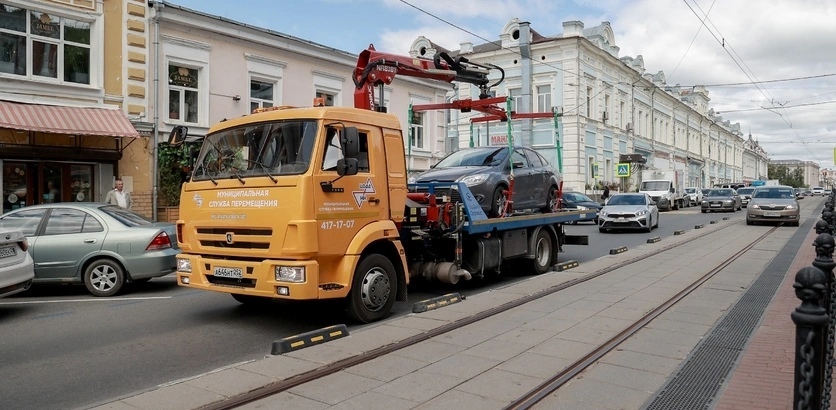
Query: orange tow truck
point(313, 203)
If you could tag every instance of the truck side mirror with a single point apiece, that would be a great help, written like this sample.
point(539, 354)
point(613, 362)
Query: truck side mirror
point(350, 142)
point(673, 190)
point(347, 166)
point(177, 135)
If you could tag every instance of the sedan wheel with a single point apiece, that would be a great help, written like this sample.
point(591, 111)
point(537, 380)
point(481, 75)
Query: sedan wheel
point(104, 277)
point(551, 200)
point(498, 202)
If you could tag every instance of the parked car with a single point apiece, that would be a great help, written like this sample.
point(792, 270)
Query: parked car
point(16, 266)
point(705, 192)
point(827, 192)
point(745, 195)
point(694, 195)
point(102, 246)
point(817, 190)
point(579, 201)
point(629, 211)
point(721, 199)
point(486, 170)
point(799, 193)
point(773, 204)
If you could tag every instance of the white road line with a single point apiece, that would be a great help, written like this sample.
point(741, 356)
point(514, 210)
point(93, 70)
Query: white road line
point(32, 302)
point(185, 379)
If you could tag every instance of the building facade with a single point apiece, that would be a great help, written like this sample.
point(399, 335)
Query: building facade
point(809, 169)
point(72, 75)
point(606, 106)
point(755, 161)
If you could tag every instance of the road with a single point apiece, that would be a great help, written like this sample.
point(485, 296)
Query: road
point(64, 349)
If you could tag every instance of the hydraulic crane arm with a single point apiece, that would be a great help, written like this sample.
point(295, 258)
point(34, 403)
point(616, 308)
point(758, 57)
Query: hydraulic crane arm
point(375, 68)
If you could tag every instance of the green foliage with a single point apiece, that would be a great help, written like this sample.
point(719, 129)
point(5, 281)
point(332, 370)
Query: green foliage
point(172, 167)
point(785, 176)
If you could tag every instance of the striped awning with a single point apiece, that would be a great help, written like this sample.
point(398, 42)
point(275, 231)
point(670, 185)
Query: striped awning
point(66, 120)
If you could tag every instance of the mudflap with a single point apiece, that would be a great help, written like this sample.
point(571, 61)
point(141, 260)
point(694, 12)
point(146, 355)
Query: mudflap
point(576, 239)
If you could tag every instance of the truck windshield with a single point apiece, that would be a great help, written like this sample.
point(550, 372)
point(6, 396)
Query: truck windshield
point(655, 186)
point(272, 148)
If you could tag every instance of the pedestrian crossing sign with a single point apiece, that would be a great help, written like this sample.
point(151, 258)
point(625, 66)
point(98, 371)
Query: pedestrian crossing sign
point(622, 170)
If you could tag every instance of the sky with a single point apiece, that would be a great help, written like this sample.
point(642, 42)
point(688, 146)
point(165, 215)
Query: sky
point(782, 51)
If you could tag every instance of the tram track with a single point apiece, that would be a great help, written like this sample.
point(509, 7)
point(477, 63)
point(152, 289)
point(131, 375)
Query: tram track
point(532, 397)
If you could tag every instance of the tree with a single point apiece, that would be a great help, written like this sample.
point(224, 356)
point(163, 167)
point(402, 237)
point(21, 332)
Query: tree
point(782, 173)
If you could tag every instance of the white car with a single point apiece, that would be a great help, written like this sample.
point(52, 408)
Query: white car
point(694, 195)
point(817, 190)
point(16, 266)
point(629, 211)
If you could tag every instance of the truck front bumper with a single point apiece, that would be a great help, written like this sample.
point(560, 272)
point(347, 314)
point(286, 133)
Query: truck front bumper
point(253, 278)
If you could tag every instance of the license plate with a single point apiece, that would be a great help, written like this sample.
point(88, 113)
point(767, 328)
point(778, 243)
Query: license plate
point(771, 214)
point(7, 251)
point(716, 205)
point(621, 220)
point(234, 273)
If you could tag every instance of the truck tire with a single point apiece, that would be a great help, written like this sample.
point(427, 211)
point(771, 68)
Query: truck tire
point(373, 289)
point(543, 252)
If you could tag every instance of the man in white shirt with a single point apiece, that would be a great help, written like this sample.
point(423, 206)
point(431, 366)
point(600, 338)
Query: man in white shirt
point(118, 196)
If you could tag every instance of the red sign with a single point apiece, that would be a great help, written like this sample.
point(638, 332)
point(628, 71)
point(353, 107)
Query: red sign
point(499, 140)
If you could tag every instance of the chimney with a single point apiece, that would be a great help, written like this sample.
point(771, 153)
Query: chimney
point(573, 28)
point(466, 47)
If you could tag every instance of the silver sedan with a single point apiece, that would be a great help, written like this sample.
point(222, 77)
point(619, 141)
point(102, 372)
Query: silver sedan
point(102, 246)
point(629, 211)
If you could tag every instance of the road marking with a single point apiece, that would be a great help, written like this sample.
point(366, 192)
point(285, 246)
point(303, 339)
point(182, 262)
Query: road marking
point(220, 369)
point(111, 300)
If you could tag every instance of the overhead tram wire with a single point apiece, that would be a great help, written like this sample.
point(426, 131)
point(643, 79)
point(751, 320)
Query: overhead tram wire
point(752, 81)
point(699, 28)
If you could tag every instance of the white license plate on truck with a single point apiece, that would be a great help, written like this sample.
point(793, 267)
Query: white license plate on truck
point(234, 273)
point(7, 251)
point(772, 214)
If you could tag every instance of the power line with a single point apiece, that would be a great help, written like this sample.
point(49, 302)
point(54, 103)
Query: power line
point(699, 28)
point(765, 108)
point(761, 82)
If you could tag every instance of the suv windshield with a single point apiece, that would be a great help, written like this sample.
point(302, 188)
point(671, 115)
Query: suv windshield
point(272, 148)
point(479, 157)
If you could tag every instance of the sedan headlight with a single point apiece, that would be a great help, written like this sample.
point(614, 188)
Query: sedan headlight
point(790, 207)
point(641, 213)
point(602, 213)
point(727, 201)
point(582, 208)
point(755, 206)
point(411, 180)
point(184, 265)
point(472, 180)
point(295, 274)
point(704, 203)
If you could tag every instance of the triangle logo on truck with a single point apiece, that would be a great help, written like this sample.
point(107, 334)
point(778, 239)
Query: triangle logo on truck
point(366, 189)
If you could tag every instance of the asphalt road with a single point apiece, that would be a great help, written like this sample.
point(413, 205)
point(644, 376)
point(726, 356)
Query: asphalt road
point(64, 349)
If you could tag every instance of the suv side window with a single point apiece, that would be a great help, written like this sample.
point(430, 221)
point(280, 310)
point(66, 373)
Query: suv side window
point(27, 221)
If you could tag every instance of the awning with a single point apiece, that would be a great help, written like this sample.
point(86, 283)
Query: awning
point(66, 120)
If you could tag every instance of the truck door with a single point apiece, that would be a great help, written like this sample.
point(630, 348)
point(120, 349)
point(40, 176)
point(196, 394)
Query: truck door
point(364, 197)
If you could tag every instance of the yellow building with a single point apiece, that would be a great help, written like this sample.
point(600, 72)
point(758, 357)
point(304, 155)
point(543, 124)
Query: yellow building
point(73, 107)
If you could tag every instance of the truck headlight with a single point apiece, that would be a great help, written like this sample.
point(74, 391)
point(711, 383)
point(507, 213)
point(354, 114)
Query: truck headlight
point(472, 180)
point(184, 265)
point(295, 274)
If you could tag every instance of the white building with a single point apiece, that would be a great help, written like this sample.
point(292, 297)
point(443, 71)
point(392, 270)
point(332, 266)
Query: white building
point(610, 106)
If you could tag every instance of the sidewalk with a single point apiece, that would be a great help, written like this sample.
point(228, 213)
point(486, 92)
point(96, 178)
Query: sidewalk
point(764, 377)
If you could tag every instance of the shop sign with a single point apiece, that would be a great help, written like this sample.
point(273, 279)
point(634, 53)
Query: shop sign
point(44, 27)
point(183, 78)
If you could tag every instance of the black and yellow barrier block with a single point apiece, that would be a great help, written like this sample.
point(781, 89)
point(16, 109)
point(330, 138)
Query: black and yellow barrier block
point(562, 266)
point(436, 302)
point(308, 339)
point(654, 239)
point(713, 222)
point(618, 250)
point(700, 226)
point(726, 218)
point(679, 232)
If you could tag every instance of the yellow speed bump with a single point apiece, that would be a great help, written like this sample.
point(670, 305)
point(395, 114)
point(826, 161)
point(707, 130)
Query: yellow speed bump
point(308, 339)
point(436, 302)
point(562, 266)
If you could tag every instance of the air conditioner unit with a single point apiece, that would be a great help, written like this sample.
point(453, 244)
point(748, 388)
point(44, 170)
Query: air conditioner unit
point(629, 126)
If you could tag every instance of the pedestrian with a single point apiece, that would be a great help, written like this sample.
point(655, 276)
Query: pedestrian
point(606, 194)
point(118, 196)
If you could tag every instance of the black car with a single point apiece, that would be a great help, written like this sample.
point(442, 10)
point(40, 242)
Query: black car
point(486, 171)
point(579, 201)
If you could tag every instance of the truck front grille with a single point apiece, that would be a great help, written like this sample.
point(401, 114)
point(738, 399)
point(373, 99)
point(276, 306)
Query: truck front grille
point(241, 238)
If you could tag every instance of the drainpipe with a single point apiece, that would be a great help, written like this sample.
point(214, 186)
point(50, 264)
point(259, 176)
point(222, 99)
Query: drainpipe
point(526, 137)
point(158, 6)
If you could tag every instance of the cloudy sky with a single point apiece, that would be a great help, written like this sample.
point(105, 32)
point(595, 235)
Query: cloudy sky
point(787, 48)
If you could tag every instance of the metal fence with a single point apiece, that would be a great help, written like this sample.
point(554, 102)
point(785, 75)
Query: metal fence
point(814, 318)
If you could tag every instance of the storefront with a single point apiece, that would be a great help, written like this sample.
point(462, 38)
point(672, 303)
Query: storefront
point(59, 154)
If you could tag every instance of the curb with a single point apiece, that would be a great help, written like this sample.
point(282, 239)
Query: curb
point(436, 302)
point(307, 339)
point(618, 250)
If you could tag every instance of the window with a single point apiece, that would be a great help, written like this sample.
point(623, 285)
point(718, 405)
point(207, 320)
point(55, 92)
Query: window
point(334, 153)
point(544, 98)
point(589, 102)
point(534, 159)
point(515, 94)
point(31, 43)
point(605, 115)
point(417, 127)
point(261, 94)
point(126, 217)
point(64, 221)
point(182, 94)
point(621, 114)
point(327, 98)
point(26, 221)
point(518, 159)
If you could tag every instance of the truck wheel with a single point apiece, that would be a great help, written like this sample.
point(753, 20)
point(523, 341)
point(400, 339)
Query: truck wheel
point(372, 289)
point(551, 198)
point(543, 252)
